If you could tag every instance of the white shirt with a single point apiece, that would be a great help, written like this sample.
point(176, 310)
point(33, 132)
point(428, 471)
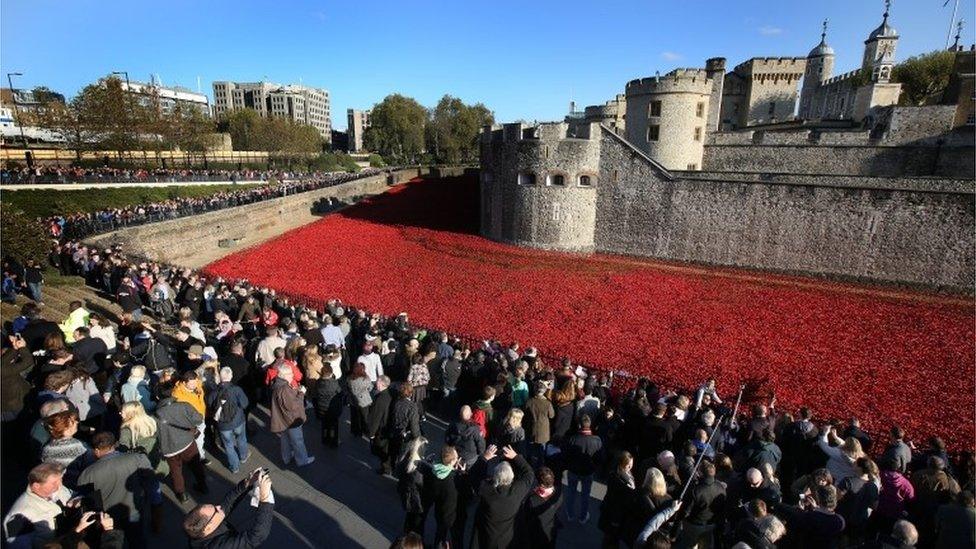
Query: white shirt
point(336, 370)
point(106, 334)
point(265, 351)
point(374, 366)
point(332, 335)
point(37, 511)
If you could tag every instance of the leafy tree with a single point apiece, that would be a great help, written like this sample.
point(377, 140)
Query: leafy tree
point(452, 134)
point(250, 132)
point(397, 129)
point(23, 237)
point(44, 95)
point(923, 77)
point(72, 121)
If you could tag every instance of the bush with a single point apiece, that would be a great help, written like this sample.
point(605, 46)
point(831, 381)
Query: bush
point(376, 161)
point(22, 236)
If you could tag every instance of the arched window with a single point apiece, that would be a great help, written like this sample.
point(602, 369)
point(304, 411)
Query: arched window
point(585, 181)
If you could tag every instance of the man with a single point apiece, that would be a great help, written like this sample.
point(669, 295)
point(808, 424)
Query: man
point(207, 527)
point(755, 487)
point(178, 422)
point(705, 510)
point(265, 356)
point(193, 298)
point(379, 414)
point(583, 452)
point(955, 523)
point(15, 365)
point(466, 437)
point(539, 412)
point(77, 318)
point(88, 352)
point(121, 485)
point(33, 518)
point(499, 497)
point(899, 452)
point(128, 298)
point(814, 523)
point(372, 362)
point(854, 430)
point(34, 279)
point(235, 360)
point(36, 328)
point(229, 402)
point(332, 334)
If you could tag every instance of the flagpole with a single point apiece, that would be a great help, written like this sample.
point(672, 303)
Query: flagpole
point(952, 22)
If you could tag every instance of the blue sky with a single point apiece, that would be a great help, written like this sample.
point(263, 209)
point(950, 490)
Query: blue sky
point(523, 59)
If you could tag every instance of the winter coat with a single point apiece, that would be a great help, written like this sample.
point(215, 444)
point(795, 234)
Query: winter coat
point(539, 411)
point(287, 406)
point(177, 422)
point(137, 390)
point(466, 439)
point(359, 389)
point(15, 365)
point(616, 502)
point(328, 397)
point(440, 493)
point(494, 519)
point(228, 391)
point(379, 414)
point(539, 519)
point(582, 453)
point(404, 420)
point(193, 398)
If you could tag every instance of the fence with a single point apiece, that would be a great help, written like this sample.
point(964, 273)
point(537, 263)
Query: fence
point(172, 158)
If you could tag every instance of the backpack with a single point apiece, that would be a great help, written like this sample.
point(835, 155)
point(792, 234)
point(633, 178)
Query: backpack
point(226, 407)
point(480, 418)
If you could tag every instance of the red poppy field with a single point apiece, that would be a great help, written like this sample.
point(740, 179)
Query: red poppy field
point(882, 355)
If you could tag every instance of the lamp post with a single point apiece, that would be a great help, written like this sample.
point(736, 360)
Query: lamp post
point(13, 96)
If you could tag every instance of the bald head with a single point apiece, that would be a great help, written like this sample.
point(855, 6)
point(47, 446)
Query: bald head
point(466, 413)
point(754, 477)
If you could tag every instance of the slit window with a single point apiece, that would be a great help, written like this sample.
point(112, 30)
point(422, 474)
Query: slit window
point(698, 134)
point(700, 109)
point(653, 132)
point(655, 108)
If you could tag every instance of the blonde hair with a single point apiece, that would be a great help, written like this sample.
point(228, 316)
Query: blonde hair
point(140, 423)
point(654, 483)
point(852, 448)
point(514, 418)
point(137, 372)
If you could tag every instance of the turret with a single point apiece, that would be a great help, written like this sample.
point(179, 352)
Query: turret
point(820, 66)
point(879, 49)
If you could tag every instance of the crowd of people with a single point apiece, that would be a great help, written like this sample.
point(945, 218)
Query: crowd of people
point(74, 226)
point(113, 414)
point(107, 174)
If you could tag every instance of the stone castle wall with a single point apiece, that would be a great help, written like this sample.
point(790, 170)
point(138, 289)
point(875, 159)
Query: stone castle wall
point(201, 239)
point(680, 93)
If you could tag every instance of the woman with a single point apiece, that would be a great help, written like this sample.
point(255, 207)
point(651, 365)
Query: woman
point(857, 498)
point(139, 434)
point(404, 422)
point(333, 357)
point(101, 329)
point(136, 389)
point(564, 398)
point(83, 393)
point(651, 499)
point(840, 461)
point(312, 367)
point(419, 377)
point(328, 405)
point(64, 449)
point(512, 434)
point(619, 496)
point(288, 417)
point(410, 485)
point(190, 390)
point(441, 486)
point(359, 388)
point(540, 513)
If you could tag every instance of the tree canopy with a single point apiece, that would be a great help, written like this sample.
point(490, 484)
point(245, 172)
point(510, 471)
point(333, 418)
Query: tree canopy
point(923, 77)
point(249, 131)
point(452, 134)
point(397, 129)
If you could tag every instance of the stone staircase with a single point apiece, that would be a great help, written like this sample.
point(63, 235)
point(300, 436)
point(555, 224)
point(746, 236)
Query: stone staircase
point(57, 301)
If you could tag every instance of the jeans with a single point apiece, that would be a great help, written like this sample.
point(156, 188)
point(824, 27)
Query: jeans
point(585, 483)
point(235, 446)
point(35, 290)
point(293, 446)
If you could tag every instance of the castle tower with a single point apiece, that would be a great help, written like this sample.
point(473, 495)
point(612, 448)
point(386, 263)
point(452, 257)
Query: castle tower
point(667, 117)
point(820, 66)
point(879, 49)
point(715, 71)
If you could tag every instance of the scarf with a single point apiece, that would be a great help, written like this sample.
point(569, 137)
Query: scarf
point(544, 493)
point(441, 471)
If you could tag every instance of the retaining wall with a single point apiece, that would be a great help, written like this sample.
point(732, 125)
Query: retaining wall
point(201, 239)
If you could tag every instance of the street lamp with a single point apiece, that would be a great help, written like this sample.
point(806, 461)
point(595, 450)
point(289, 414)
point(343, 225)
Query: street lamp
point(13, 96)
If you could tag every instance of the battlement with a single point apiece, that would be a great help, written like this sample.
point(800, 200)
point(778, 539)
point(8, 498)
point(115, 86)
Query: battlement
point(840, 77)
point(690, 80)
point(771, 64)
point(543, 131)
point(715, 64)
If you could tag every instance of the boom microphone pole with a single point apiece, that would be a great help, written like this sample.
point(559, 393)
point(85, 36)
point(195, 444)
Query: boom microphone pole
point(738, 401)
point(694, 471)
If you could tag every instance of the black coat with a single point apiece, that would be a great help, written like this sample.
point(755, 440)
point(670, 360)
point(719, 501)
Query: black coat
point(466, 439)
point(441, 495)
point(582, 454)
point(227, 537)
point(494, 519)
point(539, 521)
point(613, 510)
point(707, 504)
point(328, 397)
point(35, 332)
point(89, 353)
point(379, 414)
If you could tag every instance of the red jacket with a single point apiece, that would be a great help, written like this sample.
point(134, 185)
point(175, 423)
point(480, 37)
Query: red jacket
point(272, 373)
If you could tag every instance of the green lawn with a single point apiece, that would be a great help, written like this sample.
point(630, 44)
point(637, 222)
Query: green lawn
point(44, 203)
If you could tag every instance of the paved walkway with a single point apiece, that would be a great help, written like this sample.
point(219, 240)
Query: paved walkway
point(338, 501)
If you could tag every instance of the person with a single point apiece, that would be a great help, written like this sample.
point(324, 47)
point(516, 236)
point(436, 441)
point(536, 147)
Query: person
point(858, 498)
point(840, 461)
point(379, 414)
point(136, 389)
point(100, 328)
point(539, 519)
point(512, 434)
point(404, 422)
point(955, 522)
point(583, 451)
point(328, 406)
point(933, 488)
point(83, 394)
point(898, 452)
point(64, 449)
point(139, 432)
point(228, 402)
point(360, 401)
point(466, 437)
point(706, 508)
point(440, 493)
point(896, 494)
point(122, 483)
point(651, 499)
point(207, 527)
point(77, 318)
point(288, 417)
point(419, 378)
point(16, 364)
point(88, 352)
point(234, 359)
point(264, 354)
point(32, 519)
point(903, 535)
point(499, 497)
point(814, 522)
point(35, 280)
point(189, 389)
point(372, 364)
point(410, 484)
point(620, 492)
point(178, 423)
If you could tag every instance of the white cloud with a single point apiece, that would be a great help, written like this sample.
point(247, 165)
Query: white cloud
point(671, 56)
point(769, 30)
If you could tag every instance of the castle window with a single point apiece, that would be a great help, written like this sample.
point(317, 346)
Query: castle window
point(655, 108)
point(698, 134)
point(526, 179)
point(557, 180)
point(700, 109)
point(692, 167)
point(585, 181)
point(653, 132)
point(772, 108)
